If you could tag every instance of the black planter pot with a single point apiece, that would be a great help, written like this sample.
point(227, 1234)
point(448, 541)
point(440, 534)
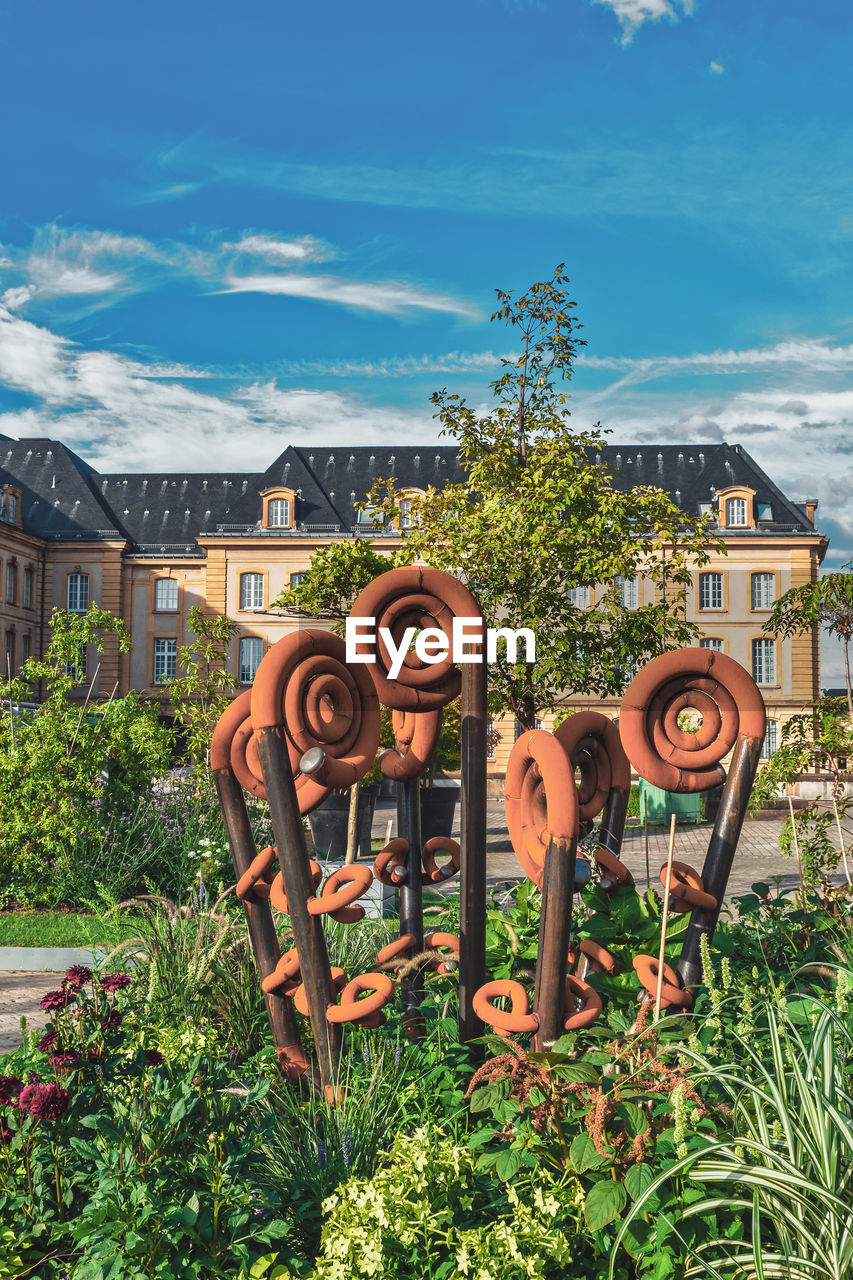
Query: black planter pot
point(438, 807)
point(328, 823)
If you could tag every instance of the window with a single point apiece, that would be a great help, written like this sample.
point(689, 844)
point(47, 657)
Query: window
point(710, 591)
point(296, 579)
point(771, 740)
point(11, 583)
point(11, 507)
point(707, 509)
point(491, 740)
point(77, 670)
point(278, 513)
point(10, 653)
point(165, 660)
point(26, 644)
point(251, 652)
point(765, 511)
point(166, 595)
point(405, 513)
point(711, 642)
point(78, 592)
point(520, 729)
point(369, 515)
point(251, 591)
point(28, 589)
point(578, 597)
point(764, 661)
point(763, 590)
point(735, 512)
point(629, 592)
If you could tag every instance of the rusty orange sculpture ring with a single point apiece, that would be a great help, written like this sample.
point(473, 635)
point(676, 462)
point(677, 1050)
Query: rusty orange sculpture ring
point(686, 887)
point(422, 598)
point(356, 1007)
point(612, 866)
point(285, 977)
point(541, 799)
point(416, 735)
point(673, 996)
point(389, 859)
point(300, 998)
point(438, 939)
point(253, 885)
point(596, 752)
point(343, 887)
point(506, 1022)
point(400, 949)
point(591, 1004)
point(434, 874)
point(714, 685)
point(278, 897)
point(599, 958)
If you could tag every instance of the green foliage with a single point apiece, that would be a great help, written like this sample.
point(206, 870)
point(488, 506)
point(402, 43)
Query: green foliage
point(336, 575)
point(65, 767)
point(201, 694)
point(428, 1213)
point(538, 515)
point(827, 603)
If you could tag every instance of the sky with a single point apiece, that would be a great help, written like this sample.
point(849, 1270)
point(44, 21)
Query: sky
point(225, 228)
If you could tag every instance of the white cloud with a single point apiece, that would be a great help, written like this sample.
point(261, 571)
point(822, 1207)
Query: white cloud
point(633, 13)
point(716, 68)
point(282, 253)
point(67, 263)
point(389, 296)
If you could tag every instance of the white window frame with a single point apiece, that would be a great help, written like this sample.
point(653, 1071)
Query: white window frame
point(629, 591)
point(11, 583)
point(765, 596)
point(735, 513)
point(764, 661)
point(165, 659)
point(579, 597)
point(770, 745)
point(11, 507)
point(712, 642)
point(296, 579)
point(714, 584)
point(245, 670)
point(77, 593)
point(29, 583)
point(164, 586)
point(251, 590)
point(278, 513)
point(78, 670)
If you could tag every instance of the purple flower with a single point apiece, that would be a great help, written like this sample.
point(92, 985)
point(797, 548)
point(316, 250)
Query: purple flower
point(76, 976)
point(56, 999)
point(64, 1059)
point(115, 981)
point(44, 1101)
point(48, 1040)
point(112, 1021)
point(10, 1087)
point(153, 1058)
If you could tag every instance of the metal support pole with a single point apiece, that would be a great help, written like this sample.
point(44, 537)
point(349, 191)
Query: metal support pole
point(613, 821)
point(260, 924)
point(298, 886)
point(411, 902)
point(472, 879)
point(558, 887)
point(721, 852)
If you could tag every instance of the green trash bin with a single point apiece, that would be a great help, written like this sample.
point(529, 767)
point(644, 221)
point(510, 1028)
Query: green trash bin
point(658, 805)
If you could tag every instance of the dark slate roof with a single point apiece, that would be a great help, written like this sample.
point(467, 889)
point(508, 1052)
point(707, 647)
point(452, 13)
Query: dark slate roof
point(65, 498)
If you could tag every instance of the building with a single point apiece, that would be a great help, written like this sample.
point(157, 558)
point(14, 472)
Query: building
point(149, 546)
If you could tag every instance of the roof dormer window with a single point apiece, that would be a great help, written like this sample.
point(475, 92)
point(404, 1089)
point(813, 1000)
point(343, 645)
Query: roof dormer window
point(279, 508)
point(736, 513)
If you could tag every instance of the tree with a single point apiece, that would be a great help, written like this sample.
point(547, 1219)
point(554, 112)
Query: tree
point(827, 602)
point(337, 574)
point(537, 517)
point(202, 693)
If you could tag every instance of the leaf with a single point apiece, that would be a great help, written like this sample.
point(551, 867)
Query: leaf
point(508, 1164)
point(637, 1180)
point(604, 1202)
point(584, 1155)
point(577, 1072)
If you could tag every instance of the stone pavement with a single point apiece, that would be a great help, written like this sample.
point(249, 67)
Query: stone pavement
point(20, 992)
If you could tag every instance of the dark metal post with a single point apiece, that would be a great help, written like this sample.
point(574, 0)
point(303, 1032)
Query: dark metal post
point(411, 901)
point(613, 821)
point(260, 924)
point(472, 877)
point(558, 887)
point(298, 885)
point(720, 855)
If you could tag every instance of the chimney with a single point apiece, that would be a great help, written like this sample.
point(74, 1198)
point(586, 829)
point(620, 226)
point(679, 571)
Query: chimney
point(810, 505)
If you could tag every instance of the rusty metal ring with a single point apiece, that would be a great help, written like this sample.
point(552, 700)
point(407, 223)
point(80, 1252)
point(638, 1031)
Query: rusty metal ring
point(389, 859)
point(673, 996)
point(343, 887)
point(506, 1022)
point(278, 897)
point(599, 959)
point(253, 885)
point(540, 797)
point(711, 683)
point(591, 1004)
point(416, 735)
point(438, 939)
point(300, 996)
point(597, 755)
point(434, 874)
point(420, 597)
point(354, 1007)
point(686, 887)
point(285, 977)
point(400, 949)
point(612, 866)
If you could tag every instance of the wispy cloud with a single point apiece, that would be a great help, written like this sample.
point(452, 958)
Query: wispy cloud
point(716, 68)
point(285, 253)
point(633, 13)
point(389, 297)
point(74, 263)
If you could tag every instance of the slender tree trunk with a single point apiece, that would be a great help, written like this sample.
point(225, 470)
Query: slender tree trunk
point(352, 825)
point(847, 678)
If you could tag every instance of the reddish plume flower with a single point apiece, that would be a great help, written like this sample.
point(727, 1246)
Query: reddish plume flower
point(153, 1058)
point(56, 999)
point(76, 977)
point(48, 1040)
point(115, 981)
point(64, 1060)
point(112, 1021)
point(44, 1101)
point(10, 1087)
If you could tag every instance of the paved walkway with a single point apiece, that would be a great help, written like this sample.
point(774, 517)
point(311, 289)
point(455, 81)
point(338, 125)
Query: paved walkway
point(20, 992)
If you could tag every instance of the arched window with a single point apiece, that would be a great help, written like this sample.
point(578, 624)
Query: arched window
point(251, 591)
point(78, 592)
point(771, 740)
point(578, 597)
point(278, 513)
point(736, 512)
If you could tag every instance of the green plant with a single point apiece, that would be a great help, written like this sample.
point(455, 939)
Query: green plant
point(336, 575)
point(784, 1159)
point(201, 694)
point(827, 603)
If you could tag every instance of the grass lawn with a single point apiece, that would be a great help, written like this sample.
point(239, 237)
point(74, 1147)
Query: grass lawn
point(63, 929)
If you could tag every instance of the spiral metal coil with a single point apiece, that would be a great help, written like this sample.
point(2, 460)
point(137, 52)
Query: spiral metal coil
point(390, 867)
point(598, 759)
point(541, 799)
point(686, 889)
point(584, 1002)
point(673, 995)
point(421, 598)
point(719, 689)
point(416, 735)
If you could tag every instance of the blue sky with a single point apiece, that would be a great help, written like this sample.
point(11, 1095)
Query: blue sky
point(226, 228)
